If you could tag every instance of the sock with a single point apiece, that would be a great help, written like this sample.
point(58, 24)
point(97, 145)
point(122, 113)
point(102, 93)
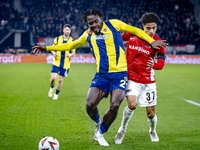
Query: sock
point(52, 86)
point(126, 117)
point(103, 128)
point(152, 123)
point(97, 118)
point(57, 91)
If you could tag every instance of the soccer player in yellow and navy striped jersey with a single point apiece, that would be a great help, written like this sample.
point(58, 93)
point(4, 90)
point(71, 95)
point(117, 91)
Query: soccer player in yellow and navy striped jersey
point(61, 63)
point(111, 74)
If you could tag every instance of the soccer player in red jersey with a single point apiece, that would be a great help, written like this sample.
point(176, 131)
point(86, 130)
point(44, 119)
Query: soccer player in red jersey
point(141, 85)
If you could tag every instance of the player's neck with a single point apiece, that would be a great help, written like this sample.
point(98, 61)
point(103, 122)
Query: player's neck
point(65, 37)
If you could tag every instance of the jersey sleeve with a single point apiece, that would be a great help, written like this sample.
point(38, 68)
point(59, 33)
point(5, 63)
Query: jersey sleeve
point(121, 26)
point(70, 46)
point(139, 33)
point(126, 36)
point(159, 65)
point(55, 41)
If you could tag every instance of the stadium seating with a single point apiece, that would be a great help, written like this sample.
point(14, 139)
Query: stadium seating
point(45, 18)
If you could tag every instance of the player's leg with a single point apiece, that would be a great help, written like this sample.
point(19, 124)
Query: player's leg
point(52, 83)
point(60, 83)
point(111, 114)
point(127, 114)
point(152, 120)
point(63, 73)
point(132, 92)
point(54, 73)
point(116, 98)
point(94, 96)
point(150, 96)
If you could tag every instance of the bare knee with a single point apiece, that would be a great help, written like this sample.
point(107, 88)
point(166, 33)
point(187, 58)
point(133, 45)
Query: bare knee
point(114, 108)
point(53, 79)
point(132, 105)
point(151, 114)
point(90, 104)
point(60, 81)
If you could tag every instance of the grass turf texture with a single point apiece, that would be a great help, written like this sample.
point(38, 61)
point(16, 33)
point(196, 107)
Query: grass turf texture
point(27, 114)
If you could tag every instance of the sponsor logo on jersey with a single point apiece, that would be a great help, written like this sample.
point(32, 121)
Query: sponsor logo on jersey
point(100, 37)
point(140, 49)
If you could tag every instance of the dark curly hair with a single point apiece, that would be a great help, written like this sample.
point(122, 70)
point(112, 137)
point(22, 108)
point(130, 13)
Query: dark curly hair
point(94, 11)
point(149, 17)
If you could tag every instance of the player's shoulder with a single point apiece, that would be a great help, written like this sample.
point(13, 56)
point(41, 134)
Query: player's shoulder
point(115, 21)
point(156, 37)
point(71, 38)
point(134, 38)
point(58, 37)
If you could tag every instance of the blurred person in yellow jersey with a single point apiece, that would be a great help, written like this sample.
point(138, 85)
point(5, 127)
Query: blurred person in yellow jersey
point(111, 74)
point(61, 63)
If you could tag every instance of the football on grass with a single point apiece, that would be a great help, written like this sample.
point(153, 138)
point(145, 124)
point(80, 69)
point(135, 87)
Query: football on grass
point(49, 143)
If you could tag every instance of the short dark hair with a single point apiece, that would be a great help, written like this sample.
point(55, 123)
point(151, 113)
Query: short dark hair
point(94, 11)
point(149, 17)
point(67, 25)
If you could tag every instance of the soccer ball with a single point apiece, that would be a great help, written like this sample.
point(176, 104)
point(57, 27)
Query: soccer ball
point(49, 143)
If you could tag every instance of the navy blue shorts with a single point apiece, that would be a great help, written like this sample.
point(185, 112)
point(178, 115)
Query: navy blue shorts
point(62, 72)
point(108, 82)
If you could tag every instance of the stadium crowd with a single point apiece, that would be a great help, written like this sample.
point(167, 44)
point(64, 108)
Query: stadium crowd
point(46, 18)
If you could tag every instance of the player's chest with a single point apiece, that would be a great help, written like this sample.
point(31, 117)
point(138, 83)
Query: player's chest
point(141, 48)
point(106, 36)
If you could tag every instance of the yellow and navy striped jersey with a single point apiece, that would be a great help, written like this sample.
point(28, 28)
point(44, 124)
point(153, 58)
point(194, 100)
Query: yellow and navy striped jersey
point(107, 47)
point(61, 60)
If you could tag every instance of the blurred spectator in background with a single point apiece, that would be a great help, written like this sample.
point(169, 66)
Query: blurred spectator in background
point(176, 16)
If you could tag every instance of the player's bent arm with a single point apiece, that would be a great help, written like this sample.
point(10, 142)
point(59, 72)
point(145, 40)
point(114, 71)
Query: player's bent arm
point(69, 46)
point(160, 62)
point(73, 53)
point(139, 33)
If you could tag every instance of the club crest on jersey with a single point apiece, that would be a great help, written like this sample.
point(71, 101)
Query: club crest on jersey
point(105, 30)
point(126, 78)
point(148, 46)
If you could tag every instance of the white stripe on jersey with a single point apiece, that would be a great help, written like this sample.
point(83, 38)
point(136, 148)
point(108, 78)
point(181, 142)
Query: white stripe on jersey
point(152, 75)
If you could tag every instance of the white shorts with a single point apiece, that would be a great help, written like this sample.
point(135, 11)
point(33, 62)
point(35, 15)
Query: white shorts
point(146, 93)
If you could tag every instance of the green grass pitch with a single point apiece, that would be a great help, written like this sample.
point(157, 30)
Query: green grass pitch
point(27, 114)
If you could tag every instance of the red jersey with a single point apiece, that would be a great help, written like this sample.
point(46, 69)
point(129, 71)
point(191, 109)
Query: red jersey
point(138, 53)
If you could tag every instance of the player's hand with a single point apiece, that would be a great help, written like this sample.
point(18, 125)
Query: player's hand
point(55, 54)
point(150, 63)
point(68, 55)
point(38, 49)
point(89, 31)
point(159, 43)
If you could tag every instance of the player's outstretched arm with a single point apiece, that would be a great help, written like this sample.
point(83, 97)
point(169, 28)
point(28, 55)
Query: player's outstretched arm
point(141, 34)
point(38, 49)
point(63, 47)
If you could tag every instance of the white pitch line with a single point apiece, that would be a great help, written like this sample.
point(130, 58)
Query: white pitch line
point(189, 101)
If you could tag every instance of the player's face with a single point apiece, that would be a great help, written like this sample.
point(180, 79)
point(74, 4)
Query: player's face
point(66, 31)
point(150, 28)
point(95, 23)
